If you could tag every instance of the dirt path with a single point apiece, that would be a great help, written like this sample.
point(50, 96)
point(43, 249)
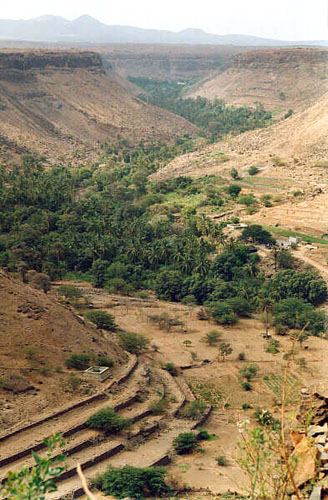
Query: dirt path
point(300, 254)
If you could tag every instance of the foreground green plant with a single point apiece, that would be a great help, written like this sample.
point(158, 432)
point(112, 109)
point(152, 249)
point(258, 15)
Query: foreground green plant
point(36, 482)
point(133, 482)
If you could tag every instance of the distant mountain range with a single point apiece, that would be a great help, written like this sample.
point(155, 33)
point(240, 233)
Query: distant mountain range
point(86, 29)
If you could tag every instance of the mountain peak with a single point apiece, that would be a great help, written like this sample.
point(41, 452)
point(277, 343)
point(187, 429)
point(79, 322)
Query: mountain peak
point(50, 18)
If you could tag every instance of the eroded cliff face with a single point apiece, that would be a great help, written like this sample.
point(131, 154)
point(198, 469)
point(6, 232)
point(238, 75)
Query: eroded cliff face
point(49, 59)
point(281, 79)
point(60, 104)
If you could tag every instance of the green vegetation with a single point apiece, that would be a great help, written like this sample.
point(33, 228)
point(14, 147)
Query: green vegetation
point(102, 319)
point(135, 343)
point(253, 170)
point(159, 407)
point(276, 382)
point(221, 461)
point(108, 421)
point(194, 410)
point(133, 482)
point(70, 291)
point(172, 369)
point(36, 482)
point(215, 118)
point(287, 233)
point(249, 371)
point(212, 337)
point(78, 361)
point(295, 313)
point(186, 442)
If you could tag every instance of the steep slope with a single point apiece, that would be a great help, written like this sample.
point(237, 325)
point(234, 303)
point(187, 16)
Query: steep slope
point(299, 143)
point(37, 335)
point(56, 103)
point(281, 79)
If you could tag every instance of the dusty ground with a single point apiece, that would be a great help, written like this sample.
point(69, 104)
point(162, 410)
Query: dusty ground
point(37, 335)
point(201, 470)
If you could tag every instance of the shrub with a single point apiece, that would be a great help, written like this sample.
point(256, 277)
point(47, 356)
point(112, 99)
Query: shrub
point(223, 314)
point(247, 386)
point(204, 435)
point(78, 361)
point(172, 369)
point(102, 319)
point(108, 421)
point(135, 343)
point(203, 314)
point(234, 173)
point(266, 200)
point(184, 443)
point(246, 199)
point(159, 407)
point(221, 461)
point(70, 291)
point(194, 410)
point(253, 170)
point(285, 259)
point(273, 347)
point(248, 372)
point(104, 361)
point(234, 190)
point(212, 337)
point(73, 382)
point(133, 482)
point(241, 356)
point(246, 406)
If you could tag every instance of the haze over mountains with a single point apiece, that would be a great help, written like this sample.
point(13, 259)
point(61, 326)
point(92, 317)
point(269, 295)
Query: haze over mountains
point(86, 29)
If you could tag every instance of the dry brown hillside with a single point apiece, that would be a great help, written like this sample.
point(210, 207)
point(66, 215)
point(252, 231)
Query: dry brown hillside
point(37, 335)
point(300, 142)
point(281, 79)
point(56, 103)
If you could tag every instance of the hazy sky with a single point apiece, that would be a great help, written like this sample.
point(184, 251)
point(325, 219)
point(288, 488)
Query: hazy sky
point(284, 19)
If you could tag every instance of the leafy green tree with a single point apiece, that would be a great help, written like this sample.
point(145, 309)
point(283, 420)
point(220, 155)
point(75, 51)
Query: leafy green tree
point(234, 190)
point(102, 319)
point(295, 313)
point(285, 259)
point(222, 314)
point(303, 285)
point(256, 234)
point(225, 350)
point(135, 343)
point(212, 337)
point(168, 285)
point(240, 306)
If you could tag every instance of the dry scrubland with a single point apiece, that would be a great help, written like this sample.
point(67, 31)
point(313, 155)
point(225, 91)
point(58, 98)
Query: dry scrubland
point(42, 112)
